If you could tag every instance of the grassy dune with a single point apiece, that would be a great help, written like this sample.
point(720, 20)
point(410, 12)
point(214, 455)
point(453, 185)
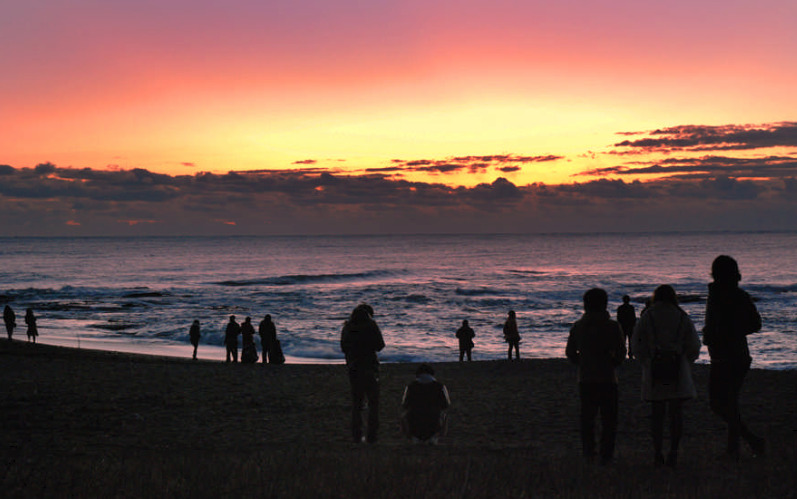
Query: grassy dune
point(97, 424)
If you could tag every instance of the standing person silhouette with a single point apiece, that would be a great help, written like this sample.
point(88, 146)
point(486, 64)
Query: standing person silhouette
point(231, 339)
point(512, 335)
point(360, 340)
point(730, 316)
point(626, 316)
point(30, 320)
point(666, 343)
point(465, 336)
point(597, 346)
point(268, 337)
point(10, 319)
point(248, 348)
point(193, 335)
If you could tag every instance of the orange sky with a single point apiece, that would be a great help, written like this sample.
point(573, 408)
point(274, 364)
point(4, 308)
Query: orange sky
point(212, 86)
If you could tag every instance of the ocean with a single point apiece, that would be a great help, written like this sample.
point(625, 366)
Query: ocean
point(141, 294)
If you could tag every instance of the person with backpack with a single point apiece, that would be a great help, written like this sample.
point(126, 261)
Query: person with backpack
point(424, 407)
point(666, 344)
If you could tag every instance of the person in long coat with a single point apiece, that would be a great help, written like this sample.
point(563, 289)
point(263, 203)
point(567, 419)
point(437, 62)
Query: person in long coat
point(666, 330)
point(10, 319)
point(33, 329)
point(512, 334)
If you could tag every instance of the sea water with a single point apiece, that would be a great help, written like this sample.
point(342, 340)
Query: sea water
point(141, 294)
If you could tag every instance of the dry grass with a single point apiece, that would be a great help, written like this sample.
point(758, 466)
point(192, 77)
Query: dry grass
point(97, 424)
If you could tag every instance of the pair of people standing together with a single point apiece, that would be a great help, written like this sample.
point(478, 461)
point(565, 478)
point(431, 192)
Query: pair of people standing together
point(664, 340)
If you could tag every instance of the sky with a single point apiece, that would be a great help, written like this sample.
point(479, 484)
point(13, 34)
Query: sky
point(121, 117)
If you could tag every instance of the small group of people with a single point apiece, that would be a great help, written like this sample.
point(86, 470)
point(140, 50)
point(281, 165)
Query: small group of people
point(270, 347)
point(424, 402)
point(10, 320)
point(665, 342)
point(465, 335)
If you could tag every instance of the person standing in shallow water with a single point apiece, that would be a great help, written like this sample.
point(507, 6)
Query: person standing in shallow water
point(465, 336)
point(231, 339)
point(626, 316)
point(193, 335)
point(666, 332)
point(730, 316)
point(360, 340)
point(30, 320)
point(512, 335)
point(10, 319)
point(597, 346)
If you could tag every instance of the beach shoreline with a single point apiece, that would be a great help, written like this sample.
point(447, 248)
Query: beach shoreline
point(72, 416)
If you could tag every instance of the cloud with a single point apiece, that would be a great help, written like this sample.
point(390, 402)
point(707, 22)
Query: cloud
point(714, 138)
point(305, 162)
point(188, 163)
point(506, 163)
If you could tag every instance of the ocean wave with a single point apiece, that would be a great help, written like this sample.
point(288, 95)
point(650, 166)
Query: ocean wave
point(483, 291)
point(294, 279)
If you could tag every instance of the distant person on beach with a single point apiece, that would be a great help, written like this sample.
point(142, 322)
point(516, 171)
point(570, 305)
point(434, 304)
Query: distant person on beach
point(512, 335)
point(424, 404)
point(465, 336)
point(268, 337)
point(666, 343)
point(626, 316)
point(360, 340)
point(597, 346)
point(193, 335)
point(231, 339)
point(248, 348)
point(730, 316)
point(30, 320)
point(10, 319)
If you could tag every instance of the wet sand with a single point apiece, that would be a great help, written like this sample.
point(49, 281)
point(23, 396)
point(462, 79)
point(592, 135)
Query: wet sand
point(60, 404)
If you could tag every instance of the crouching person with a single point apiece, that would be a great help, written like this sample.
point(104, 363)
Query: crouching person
point(424, 404)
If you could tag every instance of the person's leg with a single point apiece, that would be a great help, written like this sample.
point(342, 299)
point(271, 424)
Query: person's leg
point(589, 410)
point(461, 354)
point(657, 430)
point(723, 393)
point(357, 398)
point(372, 392)
point(468, 351)
point(608, 409)
point(756, 443)
point(517, 350)
point(509, 352)
point(675, 408)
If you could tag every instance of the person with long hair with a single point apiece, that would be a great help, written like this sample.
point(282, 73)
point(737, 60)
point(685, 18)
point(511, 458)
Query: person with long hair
point(731, 315)
point(665, 342)
point(360, 340)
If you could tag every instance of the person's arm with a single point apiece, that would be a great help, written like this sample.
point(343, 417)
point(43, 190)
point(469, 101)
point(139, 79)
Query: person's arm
point(379, 341)
point(691, 341)
point(639, 339)
point(571, 351)
point(619, 339)
point(752, 322)
point(446, 399)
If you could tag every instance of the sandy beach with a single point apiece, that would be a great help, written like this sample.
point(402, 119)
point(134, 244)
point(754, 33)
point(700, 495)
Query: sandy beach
point(101, 424)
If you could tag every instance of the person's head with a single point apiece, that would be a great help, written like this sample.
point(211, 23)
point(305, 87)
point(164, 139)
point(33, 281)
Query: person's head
point(232, 318)
point(665, 293)
point(511, 314)
point(424, 369)
point(626, 299)
point(248, 319)
point(595, 300)
point(268, 317)
point(362, 313)
point(196, 322)
point(465, 322)
point(725, 269)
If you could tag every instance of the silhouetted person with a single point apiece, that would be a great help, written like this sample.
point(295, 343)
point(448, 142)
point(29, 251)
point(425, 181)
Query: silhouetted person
point(268, 337)
point(465, 336)
point(10, 319)
point(231, 339)
point(30, 320)
point(360, 340)
point(424, 403)
point(193, 335)
point(248, 348)
point(597, 346)
point(512, 335)
point(666, 343)
point(730, 316)
point(626, 316)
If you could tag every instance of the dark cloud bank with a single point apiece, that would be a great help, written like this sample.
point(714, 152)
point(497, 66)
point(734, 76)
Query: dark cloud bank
point(711, 192)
